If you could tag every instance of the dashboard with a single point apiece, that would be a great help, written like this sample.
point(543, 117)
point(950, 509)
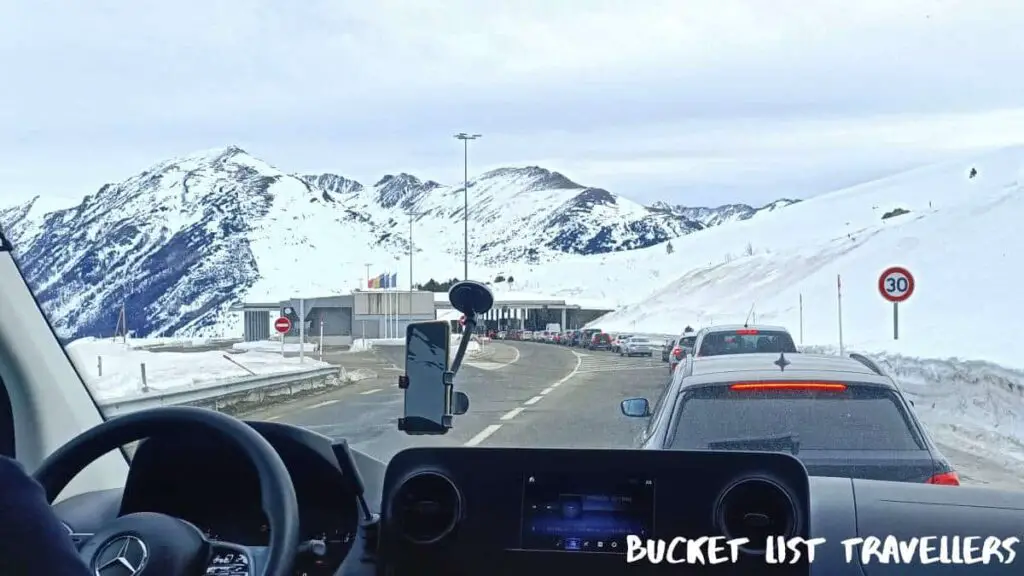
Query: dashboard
point(513, 511)
point(464, 511)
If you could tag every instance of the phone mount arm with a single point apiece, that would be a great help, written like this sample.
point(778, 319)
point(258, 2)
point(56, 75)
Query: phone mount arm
point(467, 333)
point(472, 299)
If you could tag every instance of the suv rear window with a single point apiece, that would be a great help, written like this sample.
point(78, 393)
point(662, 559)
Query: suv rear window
point(746, 342)
point(687, 342)
point(859, 418)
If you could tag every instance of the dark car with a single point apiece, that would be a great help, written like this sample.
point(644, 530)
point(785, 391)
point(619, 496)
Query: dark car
point(583, 337)
point(666, 348)
point(841, 416)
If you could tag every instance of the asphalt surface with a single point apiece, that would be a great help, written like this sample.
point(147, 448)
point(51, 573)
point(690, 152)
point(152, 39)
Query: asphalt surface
point(521, 394)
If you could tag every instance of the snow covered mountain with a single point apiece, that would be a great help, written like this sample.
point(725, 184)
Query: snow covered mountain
point(708, 217)
point(531, 214)
point(182, 241)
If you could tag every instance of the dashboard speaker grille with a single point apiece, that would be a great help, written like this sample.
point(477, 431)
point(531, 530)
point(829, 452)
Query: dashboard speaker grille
point(426, 507)
point(756, 508)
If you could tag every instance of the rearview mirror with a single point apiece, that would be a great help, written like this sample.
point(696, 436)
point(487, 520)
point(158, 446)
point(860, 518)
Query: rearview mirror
point(635, 407)
point(427, 383)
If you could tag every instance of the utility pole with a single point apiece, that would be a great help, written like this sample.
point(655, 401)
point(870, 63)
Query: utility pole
point(465, 197)
point(412, 215)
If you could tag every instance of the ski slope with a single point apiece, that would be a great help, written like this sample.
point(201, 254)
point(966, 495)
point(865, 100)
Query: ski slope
point(959, 239)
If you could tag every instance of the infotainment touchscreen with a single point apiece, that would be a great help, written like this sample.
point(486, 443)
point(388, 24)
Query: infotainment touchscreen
point(573, 514)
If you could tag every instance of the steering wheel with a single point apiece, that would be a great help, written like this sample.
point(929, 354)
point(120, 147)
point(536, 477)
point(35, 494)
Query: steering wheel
point(151, 544)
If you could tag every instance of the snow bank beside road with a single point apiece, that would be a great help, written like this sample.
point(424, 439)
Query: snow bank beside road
point(113, 369)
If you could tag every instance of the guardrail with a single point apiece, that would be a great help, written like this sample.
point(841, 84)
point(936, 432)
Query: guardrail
point(227, 395)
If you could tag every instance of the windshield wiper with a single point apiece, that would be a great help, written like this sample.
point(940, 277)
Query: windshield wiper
point(783, 442)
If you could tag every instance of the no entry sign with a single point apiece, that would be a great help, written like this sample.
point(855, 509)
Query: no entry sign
point(282, 325)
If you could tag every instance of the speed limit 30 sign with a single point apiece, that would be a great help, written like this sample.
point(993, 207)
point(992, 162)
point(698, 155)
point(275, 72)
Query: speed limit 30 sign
point(896, 284)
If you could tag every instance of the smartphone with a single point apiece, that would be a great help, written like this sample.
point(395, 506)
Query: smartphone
point(427, 394)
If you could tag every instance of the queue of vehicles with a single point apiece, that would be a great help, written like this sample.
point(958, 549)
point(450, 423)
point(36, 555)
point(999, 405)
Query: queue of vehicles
point(588, 339)
point(745, 387)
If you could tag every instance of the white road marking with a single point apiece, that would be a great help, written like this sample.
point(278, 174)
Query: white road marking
point(321, 404)
point(512, 413)
point(575, 370)
point(370, 391)
point(516, 359)
point(483, 435)
point(273, 417)
point(487, 432)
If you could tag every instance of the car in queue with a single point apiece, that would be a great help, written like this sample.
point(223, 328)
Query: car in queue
point(637, 346)
point(841, 416)
point(682, 348)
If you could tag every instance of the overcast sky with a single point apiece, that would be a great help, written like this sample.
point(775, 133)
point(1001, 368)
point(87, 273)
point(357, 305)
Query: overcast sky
point(699, 102)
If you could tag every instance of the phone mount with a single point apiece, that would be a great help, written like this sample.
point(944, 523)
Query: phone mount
point(472, 299)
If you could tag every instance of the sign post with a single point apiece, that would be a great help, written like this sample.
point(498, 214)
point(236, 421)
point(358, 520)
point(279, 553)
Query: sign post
point(282, 325)
point(896, 284)
point(839, 300)
point(302, 330)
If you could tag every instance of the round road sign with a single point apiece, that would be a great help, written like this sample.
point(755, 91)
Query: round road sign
point(462, 320)
point(282, 324)
point(896, 284)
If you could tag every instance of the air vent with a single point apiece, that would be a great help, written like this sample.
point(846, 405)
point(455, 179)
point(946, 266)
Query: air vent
point(426, 507)
point(756, 508)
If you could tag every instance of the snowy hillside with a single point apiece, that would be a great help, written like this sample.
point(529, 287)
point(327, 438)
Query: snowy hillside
point(185, 239)
point(959, 238)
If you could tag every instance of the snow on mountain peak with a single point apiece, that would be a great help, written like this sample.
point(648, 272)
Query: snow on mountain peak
point(186, 238)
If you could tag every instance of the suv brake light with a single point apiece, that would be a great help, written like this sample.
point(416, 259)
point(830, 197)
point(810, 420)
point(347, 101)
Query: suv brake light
point(678, 353)
point(747, 332)
point(945, 479)
point(765, 386)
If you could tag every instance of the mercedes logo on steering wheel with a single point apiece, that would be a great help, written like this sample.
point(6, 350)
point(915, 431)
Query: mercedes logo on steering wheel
point(123, 556)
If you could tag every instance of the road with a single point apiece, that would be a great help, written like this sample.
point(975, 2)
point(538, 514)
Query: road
point(521, 394)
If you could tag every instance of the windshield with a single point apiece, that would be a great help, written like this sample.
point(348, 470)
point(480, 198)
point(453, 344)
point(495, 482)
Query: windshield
point(245, 209)
point(745, 342)
point(861, 418)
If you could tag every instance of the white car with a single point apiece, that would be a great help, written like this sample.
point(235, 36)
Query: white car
point(619, 340)
point(637, 346)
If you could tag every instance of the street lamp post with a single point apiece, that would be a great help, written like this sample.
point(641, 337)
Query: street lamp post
point(465, 198)
point(412, 215)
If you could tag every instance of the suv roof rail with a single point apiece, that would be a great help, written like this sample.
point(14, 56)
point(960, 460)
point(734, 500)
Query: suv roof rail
point(867, 362)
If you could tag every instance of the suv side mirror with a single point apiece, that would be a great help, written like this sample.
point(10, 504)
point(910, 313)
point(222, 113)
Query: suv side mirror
point(635, 408)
